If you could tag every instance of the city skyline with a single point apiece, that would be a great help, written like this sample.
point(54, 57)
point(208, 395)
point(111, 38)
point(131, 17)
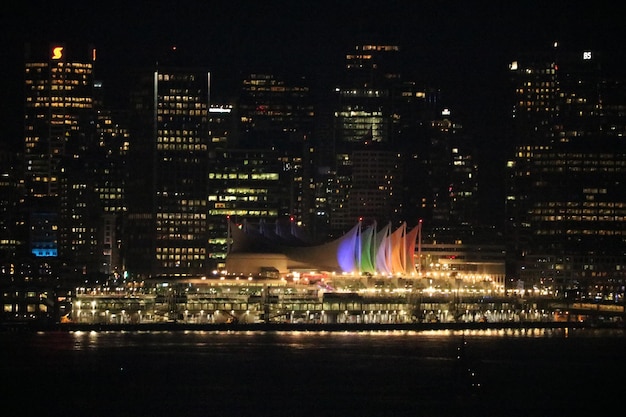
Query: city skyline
point(463, 51)
point(141, 188)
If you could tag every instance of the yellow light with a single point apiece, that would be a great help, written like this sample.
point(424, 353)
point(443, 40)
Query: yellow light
point(57, 52)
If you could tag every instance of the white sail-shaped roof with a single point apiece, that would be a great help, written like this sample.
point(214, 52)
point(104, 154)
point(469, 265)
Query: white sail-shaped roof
point(359, 250)
point(410, 241)
point(383, 250)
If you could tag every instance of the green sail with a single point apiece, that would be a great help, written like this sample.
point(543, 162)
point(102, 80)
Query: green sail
point(367, 261)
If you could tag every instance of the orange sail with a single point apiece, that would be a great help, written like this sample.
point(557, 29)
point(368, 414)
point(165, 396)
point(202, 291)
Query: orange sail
point(398, 249)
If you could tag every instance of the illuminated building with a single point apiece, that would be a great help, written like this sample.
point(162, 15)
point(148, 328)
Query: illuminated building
point(453, 179)
point(259, 157)
point(375, 184)
point(58, 102)
point(362, 117)
point(11, 219)
point(379, 142)
point(166, 230)
point(472, 266)
point(59, 135)
point(242, 184)
point(277, 113)
point(110, 187)
point(365, 249)
point(566, 204)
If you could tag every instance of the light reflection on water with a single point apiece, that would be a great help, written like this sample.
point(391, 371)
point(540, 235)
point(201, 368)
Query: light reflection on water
point(369, 373)
point(88, 340)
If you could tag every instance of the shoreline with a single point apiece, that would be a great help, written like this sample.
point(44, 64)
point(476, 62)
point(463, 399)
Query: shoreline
point(299, 327)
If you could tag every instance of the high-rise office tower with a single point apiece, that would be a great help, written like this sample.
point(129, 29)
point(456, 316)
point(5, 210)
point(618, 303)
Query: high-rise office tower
point(379, 131)
point(11, 219)
point(260, 158)
point(566, 203)
point(244, 186)
point(111, 153)
point(375, 186)
point(166, 228)
point(453, 175)
point(59, 134)
point(362, 117)
point(276, 113)
point(364, 110)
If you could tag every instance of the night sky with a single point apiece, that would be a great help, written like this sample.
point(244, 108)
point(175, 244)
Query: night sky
point(461, 47)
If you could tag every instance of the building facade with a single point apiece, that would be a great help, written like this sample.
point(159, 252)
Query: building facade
point(166, 229)
point(396, 154)
point(565, 199)
point(277, 114)
point(60, 166)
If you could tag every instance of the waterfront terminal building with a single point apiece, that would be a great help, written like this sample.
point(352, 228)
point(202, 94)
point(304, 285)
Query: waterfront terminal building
point(444, 283)
point(274, 274)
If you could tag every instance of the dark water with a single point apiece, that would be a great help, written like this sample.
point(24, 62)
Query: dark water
point(521, 373)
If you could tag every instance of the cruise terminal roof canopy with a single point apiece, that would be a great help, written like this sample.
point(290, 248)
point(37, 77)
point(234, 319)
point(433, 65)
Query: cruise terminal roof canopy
point(363, 249)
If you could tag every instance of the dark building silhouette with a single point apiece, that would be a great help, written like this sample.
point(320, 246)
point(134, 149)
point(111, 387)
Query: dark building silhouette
point(12, 225)
point(276, 113)
point(111, 173)
point(566, 201)
point(453, 175)
point(397, 155)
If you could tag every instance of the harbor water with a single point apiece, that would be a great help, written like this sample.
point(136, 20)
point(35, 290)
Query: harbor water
point(498, 372)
